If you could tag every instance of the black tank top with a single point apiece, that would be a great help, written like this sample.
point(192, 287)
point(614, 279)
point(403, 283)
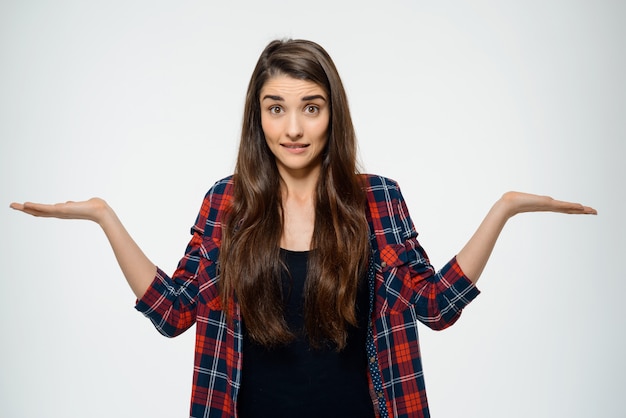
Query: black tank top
point(298, 381)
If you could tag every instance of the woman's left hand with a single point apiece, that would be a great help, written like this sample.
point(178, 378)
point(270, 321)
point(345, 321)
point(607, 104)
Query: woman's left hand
point(474, 255)
point(517, 202)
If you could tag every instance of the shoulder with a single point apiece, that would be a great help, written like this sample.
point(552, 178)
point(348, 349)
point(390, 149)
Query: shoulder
point(220, 194)
point(386, 211)
point(379, 188)
point(223, 187)
point(215, 203)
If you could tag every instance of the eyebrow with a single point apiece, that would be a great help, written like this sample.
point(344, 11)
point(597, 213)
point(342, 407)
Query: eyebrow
point(304, 99)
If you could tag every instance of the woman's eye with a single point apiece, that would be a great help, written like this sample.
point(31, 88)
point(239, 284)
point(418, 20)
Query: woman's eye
point(312, 109)
point(275, 110)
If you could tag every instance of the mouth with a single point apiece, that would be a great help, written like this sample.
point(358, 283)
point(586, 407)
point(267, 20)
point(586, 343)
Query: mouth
point(295, 146)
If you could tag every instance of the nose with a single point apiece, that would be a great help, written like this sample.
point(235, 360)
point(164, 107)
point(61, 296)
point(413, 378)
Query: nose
point(294, 127)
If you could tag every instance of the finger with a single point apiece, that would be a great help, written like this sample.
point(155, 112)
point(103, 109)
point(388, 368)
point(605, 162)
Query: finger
point(16, 206)
point(575, 208)
point(40, 209)
point(589, 210)
point(24, 207)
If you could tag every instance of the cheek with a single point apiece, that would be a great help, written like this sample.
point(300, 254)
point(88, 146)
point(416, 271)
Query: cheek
point(321, 127)
point(268, 128)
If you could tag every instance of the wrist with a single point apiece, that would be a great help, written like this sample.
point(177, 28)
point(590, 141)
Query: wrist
point(505, 206)
point(103, 214)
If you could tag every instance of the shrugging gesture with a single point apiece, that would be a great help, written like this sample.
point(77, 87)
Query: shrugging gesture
point(139, 270)
point(287, 237)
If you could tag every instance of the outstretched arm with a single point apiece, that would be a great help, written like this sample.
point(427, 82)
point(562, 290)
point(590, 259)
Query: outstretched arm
point(137, 268)
point(474, 255)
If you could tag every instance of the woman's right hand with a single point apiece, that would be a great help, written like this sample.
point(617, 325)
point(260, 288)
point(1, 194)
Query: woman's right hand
point(93, 209)
point(137, 268)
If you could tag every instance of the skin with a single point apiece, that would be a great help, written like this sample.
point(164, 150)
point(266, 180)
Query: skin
point(290, 117)
point(295, 116)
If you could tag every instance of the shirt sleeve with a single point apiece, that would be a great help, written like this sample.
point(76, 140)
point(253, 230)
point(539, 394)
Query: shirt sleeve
point(171, 301)
point(408, 278)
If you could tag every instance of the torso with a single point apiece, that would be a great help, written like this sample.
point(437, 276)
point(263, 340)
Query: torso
point(297, 380)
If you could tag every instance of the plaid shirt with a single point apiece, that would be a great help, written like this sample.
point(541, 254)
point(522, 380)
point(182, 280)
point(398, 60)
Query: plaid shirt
point(404, 290)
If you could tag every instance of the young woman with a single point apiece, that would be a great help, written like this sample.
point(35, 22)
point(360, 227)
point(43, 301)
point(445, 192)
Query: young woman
point(304, 278)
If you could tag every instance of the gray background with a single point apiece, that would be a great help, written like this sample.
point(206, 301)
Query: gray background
point(140, 102)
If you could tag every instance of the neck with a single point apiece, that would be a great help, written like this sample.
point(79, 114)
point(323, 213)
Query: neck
point(300, 187)
point(298, 206)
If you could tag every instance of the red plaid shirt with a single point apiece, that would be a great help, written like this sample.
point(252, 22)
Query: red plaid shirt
point(404, 290)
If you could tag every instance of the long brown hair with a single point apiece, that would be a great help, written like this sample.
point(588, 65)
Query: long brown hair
point(250, 263)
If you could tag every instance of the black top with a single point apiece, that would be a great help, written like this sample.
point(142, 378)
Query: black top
point(296, 380)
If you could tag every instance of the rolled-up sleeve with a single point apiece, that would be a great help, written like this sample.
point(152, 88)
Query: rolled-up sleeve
point(171, 301)
point(406, 275)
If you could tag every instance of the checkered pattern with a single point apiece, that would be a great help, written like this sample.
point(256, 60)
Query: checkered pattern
point(404, 290)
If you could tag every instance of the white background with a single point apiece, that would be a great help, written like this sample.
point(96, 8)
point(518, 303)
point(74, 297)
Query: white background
point(140, 102)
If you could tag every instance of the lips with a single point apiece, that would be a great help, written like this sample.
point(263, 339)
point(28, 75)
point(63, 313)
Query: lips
point(295, 146)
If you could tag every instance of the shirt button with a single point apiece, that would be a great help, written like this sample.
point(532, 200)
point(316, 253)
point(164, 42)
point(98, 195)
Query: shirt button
point(383, 264)
point(379, 394)
point(372, 359)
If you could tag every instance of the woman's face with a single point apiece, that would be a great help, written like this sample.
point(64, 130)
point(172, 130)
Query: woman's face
point(294, 117)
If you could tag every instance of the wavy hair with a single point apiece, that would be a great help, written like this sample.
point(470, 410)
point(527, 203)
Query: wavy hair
point(250, 263)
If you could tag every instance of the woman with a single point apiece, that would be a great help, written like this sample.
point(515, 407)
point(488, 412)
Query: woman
point(305, 279)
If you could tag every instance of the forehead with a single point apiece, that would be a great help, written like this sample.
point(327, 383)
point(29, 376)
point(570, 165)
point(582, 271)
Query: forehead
point(289, 87)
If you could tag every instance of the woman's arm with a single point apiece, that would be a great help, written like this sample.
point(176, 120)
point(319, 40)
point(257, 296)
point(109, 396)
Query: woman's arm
point(474, 255)
point(137, 268)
